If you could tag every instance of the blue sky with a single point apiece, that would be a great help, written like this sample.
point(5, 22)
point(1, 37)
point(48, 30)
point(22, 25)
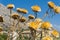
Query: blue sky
point(42, 3)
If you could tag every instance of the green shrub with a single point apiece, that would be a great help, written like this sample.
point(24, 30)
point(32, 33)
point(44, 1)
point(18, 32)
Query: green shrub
point(3, 37)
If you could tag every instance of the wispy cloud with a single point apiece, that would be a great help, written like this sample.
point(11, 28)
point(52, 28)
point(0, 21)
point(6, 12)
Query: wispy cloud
point(56, 26)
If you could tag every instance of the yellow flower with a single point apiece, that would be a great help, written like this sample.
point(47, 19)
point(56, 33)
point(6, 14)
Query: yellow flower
point(55, 33)
point(31, 16)
point(23, 19)
point(51, 4)
point(47, 38)
point(57, 9)
point(15, 16)
point(35, 25)
point(1, 19)
point(38, 20)
point(21, 10)
point(24, 11)
point(36, 8)
point(46, 25)
point(10, 6)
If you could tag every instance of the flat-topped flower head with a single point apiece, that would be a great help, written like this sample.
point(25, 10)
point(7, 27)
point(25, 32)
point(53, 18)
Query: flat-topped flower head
point(55, 33)
point(35, 24)
point(51, 4)
point(36, 8)
point(15, 16)
point(1, 19)
point(47, 38)
point(21, 10)
point(46, 25)
point(24, 11)
point(38, 20)
point(10, 6)
point(57, 9)
point(31, 16)
point(23, 19)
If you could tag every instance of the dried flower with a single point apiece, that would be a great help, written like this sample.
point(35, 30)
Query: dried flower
point(36, 8)
point(55, 33)
point(46, 25)
point(47, 38)
point(31, 17)
point(57, 9)
point(51, 4)
point(23, 19)
point(15, 16)
point(10, 6)
point(35, 25)
point(21, 10)
point(38, 20)
point(24, 11)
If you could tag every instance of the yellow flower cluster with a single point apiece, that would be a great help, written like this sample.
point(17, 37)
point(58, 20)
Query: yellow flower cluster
point(33, 25)
point(36, 24)
point(45, 25)
point(38, 20)
point(21, 10)
point(10, 6)
point(15, 15)
point(24, 11)
point(47, 38)
point(51, 4)
point(57, 9)
point(23, 19)
point(31, 16)
point(54, 7)
point(55, 33)
point(36, 8)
